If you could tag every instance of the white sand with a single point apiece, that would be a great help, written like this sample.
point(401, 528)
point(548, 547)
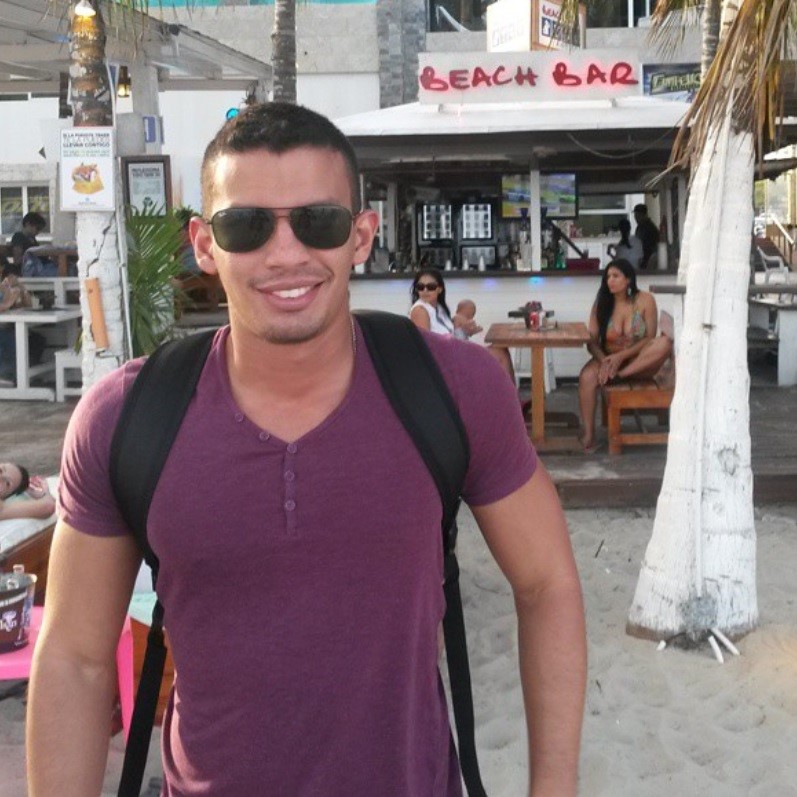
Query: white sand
point(669, 723)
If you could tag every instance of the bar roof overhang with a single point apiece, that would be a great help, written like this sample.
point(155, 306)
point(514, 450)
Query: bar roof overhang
point(614, 145)
point(34, 50)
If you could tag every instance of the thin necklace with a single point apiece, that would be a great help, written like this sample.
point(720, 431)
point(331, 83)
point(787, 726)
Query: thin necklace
point(353, 336)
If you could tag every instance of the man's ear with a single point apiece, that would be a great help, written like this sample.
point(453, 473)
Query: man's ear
point(364, 231)
point(202, 241)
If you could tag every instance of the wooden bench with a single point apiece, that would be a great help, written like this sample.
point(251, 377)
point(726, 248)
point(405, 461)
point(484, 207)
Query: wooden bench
point(640, 396)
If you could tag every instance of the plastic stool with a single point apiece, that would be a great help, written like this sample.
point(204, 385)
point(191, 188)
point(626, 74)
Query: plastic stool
point(66, 359)
point(17, 664)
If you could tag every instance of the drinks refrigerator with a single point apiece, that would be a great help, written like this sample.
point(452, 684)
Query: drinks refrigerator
point(477, 235)
point(435, 234)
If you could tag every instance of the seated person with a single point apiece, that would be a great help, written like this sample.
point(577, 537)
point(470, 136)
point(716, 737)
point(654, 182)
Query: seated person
point(15, 480)
point(629, 247)
point(430, 311)
point(32, 224)
point(623, 341)
point(13, 295)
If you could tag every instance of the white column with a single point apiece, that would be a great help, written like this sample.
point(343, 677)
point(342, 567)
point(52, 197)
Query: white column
point(144, 93)
point(535, 213)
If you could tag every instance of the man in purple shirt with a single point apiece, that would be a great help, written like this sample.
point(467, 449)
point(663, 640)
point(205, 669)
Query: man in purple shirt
point(297, 528)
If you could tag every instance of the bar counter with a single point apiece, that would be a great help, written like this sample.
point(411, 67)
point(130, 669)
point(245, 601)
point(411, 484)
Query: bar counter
point(570, 294)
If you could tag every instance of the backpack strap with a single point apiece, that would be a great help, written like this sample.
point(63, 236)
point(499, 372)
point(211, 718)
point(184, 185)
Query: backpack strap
point(148, 424)
point(420, 397)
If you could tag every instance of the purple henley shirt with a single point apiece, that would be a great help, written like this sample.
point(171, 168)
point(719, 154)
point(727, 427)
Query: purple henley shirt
point(301, 580)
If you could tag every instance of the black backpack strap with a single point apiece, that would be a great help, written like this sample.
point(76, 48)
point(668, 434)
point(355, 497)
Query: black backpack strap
point(420, 397)
point(148, 424)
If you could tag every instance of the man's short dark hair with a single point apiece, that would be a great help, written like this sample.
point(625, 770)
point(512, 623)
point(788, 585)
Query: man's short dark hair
point(34, 219)
point(24, 482)
point(643, 209)
point(277, 127)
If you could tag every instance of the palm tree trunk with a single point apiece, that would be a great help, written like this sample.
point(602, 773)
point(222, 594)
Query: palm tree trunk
point(96, 232)
point(710, 35)
point(283, 51)
point(699, 568)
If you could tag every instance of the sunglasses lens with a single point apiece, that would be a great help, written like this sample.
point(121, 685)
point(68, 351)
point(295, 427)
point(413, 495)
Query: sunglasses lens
point(427, 286)
point(321, 226)
point(242, 229)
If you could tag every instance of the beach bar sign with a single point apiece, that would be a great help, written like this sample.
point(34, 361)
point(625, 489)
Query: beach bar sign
point(527, 76)
point(87, 169)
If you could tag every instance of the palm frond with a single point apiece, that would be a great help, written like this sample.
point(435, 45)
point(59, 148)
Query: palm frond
point(670, 21)
point(153, 243)
point(743, 79)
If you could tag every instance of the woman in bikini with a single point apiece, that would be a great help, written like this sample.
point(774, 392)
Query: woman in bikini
point(623, 341)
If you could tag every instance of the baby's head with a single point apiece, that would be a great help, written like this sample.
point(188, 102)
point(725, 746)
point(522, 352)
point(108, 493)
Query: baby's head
point(467, 309)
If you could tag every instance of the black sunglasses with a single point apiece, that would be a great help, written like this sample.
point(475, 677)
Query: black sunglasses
point(247, 229)
point(426, 286)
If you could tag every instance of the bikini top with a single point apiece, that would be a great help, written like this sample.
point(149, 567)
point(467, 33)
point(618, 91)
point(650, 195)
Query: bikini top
point(616, 341)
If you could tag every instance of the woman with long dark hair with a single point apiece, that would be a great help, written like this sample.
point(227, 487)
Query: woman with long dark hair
point(430, 311)
point(623, 341)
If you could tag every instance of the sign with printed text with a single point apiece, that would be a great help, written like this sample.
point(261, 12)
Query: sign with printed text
point(508, 26)
point(546, 31)
point(87, 169)
point(527, 77)
point(672, 81)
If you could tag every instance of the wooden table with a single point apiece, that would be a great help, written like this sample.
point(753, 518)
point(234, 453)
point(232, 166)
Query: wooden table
point(564, 335)
point(23, 319)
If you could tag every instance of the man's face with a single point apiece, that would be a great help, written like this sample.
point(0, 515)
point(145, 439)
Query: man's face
point(10, 479)
point(284, 291)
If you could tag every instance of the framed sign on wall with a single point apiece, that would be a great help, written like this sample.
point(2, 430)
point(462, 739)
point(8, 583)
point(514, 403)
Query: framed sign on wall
point(148, 182)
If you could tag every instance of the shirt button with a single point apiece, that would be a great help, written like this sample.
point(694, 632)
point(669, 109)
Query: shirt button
point(292, 448)
point(290, 505)
point(238, 417)
point(289, 475)
point(264, 436)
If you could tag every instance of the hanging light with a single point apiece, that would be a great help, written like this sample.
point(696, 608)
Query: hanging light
point(83, 8)
point(124, 83)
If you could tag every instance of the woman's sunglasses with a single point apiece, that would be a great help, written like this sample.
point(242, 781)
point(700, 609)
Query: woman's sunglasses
point(426, 286)
point(247, 229)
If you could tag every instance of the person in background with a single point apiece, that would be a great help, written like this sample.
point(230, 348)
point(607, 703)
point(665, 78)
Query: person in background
point(623, 341)
point(12, 295)
point(465, 313)
point(303, 593)
point(430, 311)
point(647, 233)
point(15, 480)
point(629, 247)
point(32, 224)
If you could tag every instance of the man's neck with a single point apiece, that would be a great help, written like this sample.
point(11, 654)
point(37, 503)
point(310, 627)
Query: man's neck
point(289, 389)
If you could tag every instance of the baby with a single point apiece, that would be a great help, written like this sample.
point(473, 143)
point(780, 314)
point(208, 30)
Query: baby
point(464, 320)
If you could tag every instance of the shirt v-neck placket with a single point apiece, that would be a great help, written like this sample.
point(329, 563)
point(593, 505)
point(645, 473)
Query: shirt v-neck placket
point(289, 462)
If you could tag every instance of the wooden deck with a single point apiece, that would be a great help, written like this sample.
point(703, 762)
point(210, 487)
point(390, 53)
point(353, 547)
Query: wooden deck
point(31, 433)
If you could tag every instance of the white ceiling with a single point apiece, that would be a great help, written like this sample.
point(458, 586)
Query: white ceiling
point(34, 50)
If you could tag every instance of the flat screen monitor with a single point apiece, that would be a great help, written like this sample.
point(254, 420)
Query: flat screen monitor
point(515, 195)
point(559, 194)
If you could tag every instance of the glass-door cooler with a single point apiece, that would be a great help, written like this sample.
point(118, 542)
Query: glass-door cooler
point(436, 238)
point(477, 235)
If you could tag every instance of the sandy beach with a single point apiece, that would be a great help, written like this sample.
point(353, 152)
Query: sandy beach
point(656, 723)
